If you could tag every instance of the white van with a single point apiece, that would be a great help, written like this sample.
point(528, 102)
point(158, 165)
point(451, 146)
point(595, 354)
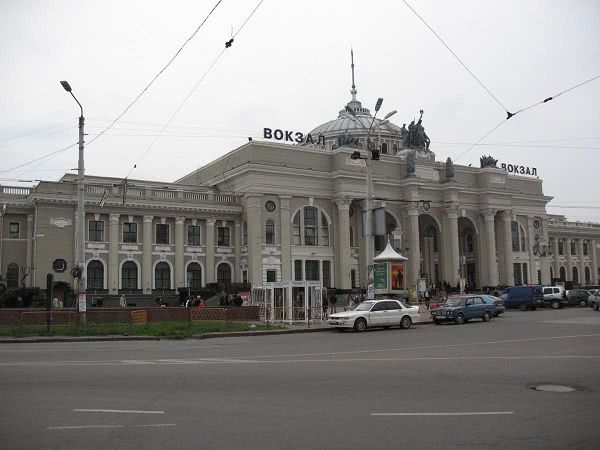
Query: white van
point(554, 296)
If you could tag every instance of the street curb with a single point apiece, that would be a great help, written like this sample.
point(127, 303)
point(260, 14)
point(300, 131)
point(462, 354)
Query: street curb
point(39, 340)
point(222, 334)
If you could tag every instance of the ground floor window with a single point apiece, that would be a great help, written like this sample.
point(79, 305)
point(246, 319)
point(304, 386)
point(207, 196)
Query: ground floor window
point(298, 270)
point(95, 275)
point(194, 275)
point(312, 270)
point(129, 275)
point(353, 278)
point(162, 276)
point(271, 276)
point(326, 274)
point(244, 276)
point(224, 275)
point(520, 273)
point(12, 275)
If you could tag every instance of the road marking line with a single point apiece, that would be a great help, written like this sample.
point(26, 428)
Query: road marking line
point(126, 411)
point(157, 425)
point(484, 413)
point(80, 427)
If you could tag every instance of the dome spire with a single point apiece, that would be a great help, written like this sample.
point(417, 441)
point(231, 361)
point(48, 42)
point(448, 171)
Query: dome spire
point(353, 90)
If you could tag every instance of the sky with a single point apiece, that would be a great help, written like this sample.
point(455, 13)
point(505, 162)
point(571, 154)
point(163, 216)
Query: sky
point(289, 68)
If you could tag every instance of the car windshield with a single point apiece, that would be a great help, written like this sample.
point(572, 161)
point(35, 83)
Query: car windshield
point(364, 306)
point(455, 302)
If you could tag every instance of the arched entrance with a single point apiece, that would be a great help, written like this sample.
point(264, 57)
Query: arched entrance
point(224, 276)
point(469, 261)
point(429, 232)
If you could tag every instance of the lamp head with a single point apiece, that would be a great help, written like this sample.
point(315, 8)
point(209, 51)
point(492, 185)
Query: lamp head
point(390, 114)
point(66, 85)
point(378, 104)
point(350, 111)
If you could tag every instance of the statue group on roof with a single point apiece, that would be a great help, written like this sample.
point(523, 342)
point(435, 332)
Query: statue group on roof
point(415, 135)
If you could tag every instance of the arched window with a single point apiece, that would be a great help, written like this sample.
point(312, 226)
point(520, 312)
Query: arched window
point(310, 227)
point(270, 232)
point(575, 275)
point(324, 232)
point(129, 275)
point(244, 233)
point(194, 275)
point(162, 276)
point(351, 236)
point(563, 275)
point(311, 215)
point(12, 275)
point(95, 275)
point(224, 275)
point(587, 276)
point(384, 148)
point(395, 148)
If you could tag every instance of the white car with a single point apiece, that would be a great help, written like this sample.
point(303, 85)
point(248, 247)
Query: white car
point(376, 313)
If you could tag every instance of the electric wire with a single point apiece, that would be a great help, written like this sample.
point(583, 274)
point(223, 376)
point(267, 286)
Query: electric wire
point(158, 74)
point(38, 136)
point(480, 139)
point(456, 56)
point(48, 155)
point(37, 130)
point(206, 72)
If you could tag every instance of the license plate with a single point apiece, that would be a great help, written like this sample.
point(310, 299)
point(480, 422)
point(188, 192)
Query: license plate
point(441, 316)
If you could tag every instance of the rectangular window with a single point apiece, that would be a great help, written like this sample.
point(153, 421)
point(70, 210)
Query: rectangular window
point(13, 230)
point(193, 234)
point(515, 236)
point(561, 248)
point(312, 270)
point(525, 275)
point(129, 232)
point(573, 248)
point(223, 237)
point(244, 276)
point(324, 233)
point(326, 273)
point(96, 230)
point(310, 226)
point(162, 233)
point(271, 276)
point(517, 274)
point(585, 248)
point(298, 270)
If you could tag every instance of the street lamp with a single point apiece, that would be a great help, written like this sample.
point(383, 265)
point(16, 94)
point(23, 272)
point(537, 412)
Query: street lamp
point(374, 155)
point(79, 272)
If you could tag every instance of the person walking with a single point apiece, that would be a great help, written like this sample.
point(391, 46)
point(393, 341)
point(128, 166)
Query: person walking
point(123, 301)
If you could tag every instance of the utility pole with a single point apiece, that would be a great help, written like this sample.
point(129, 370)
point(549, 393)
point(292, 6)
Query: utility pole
point(80, 231)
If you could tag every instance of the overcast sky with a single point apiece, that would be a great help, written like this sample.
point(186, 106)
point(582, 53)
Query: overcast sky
point(289, 68)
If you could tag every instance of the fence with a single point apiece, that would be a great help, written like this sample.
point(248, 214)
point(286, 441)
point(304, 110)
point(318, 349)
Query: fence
point(29, 316)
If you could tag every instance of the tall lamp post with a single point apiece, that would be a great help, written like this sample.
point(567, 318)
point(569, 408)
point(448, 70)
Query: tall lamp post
point(371, 154)
point(80, 231)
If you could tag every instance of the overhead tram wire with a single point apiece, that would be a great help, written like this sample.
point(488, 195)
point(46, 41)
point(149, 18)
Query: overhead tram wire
point(37, 131)
point(457, 58)
point(157, 75)
point(227, 45)
point(60, 150)
point(480, 139)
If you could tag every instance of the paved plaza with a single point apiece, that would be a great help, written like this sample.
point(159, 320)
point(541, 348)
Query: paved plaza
point(448, 386)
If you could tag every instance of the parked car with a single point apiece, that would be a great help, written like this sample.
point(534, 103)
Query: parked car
point(497, 302)
point(462, 308)
point(523, 297)
point(554, 296)
point(577, 297)
point(376, 313)
point(594, 299)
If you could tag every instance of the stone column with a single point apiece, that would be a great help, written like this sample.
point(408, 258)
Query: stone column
point(210, 251)
point(532, 242)
point(581, 261)
point(343, 242)
point(285, 226)
point(237, 239)
point(594, 277)
point(255, 239)
point(490, 234)
point(569, 268)
point(414, 254)
point(556, 258)
point(147, 255)
point(509, 275)
point(450, 250)
point(113, 254)
point(179, 252)
point(29, 250)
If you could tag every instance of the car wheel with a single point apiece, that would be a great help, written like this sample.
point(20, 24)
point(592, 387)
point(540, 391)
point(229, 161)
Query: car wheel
point(522, 307)
point(555, 304)
point(437, 321)
point(460, 319)
point(486, 317)
point(360, 324)
point(595, 306)
point(405, 322)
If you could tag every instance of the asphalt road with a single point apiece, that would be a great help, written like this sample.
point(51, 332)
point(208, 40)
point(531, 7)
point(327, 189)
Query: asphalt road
point(448, 386)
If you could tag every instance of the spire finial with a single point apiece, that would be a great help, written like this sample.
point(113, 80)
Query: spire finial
point(353, 90)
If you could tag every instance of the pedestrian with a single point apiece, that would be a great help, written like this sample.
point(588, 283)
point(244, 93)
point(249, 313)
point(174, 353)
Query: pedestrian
point(188, 302)
point(55, 303)
point(61, 305)
point(123, 301)
point(325, 305)
point(202, 305)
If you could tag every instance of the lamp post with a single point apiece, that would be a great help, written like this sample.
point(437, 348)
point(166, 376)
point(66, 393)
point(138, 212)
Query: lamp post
point(369, 189)
point(80, 231)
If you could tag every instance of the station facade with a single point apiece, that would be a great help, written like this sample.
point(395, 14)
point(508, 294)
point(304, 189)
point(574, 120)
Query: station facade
point(273, 210)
